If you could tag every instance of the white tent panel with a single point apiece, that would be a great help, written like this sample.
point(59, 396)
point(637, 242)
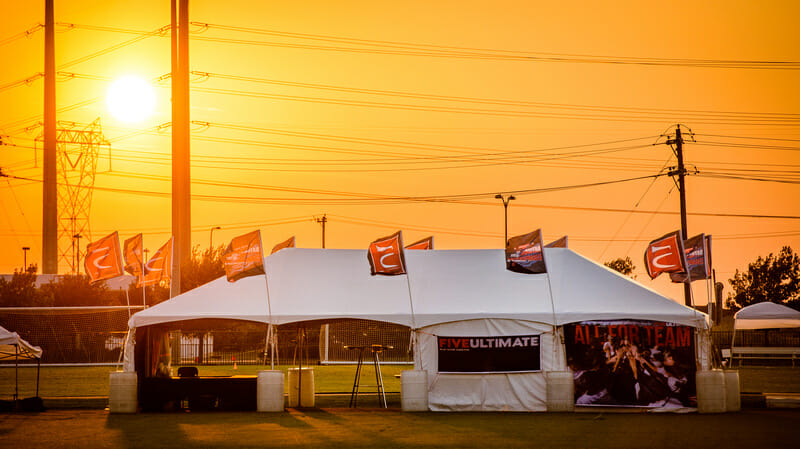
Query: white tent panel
point(456, 285)
point(766, 315)
point(586, 290)
point(317, 284)
point(242, 300)
point(13, 347)
point(487, 392)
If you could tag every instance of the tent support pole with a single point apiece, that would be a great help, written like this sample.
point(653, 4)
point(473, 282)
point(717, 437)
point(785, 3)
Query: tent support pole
point(16, 373)
point(269, 313)
point(413, 324)
point(38, 366)
point(556, 338)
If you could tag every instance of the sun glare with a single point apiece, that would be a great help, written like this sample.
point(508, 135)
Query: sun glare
point(130, 99)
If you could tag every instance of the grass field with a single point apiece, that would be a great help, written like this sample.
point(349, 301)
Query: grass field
point(352, 428)
point(94, 381)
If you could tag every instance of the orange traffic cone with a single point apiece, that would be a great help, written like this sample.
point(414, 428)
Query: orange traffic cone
point(234, 363)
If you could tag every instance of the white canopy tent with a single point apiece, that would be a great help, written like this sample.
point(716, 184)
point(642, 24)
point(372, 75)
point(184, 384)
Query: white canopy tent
point(15, 348)
point(466, 292)
point(445, 286)
point(766, 315)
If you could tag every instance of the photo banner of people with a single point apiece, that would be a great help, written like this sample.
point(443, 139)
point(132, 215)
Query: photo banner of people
point(632, 363)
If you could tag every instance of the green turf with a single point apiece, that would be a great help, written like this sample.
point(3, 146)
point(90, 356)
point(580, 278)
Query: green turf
point(94, 380)
point(354, 428)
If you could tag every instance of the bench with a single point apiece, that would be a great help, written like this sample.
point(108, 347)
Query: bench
point(765, 353)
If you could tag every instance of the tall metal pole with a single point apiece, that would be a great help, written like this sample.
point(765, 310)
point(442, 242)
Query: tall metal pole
point(505, 215)
point(211, 237)
point(181, 192)
point(49, 192)
point(25, 250)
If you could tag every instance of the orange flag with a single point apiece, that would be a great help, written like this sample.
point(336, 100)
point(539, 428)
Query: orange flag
point(426, 243)
point(386, 256)
point(243, 257)
point(285, 244)
point(560, 243)
point(159, 267)
point(103, 258)
point(665, 255)
point(132, 253)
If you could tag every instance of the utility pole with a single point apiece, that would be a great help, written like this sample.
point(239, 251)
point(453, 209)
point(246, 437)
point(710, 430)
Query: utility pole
point(49, 190)
point(181, 188)
point(681, 172)
point(322, 221)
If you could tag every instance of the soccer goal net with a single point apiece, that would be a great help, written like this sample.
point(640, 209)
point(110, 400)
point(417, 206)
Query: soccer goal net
point(72, 335)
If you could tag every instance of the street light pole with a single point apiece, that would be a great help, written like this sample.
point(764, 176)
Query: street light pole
point(76, 241)
point(211, 237)
point(25, 250)
point(505, 214)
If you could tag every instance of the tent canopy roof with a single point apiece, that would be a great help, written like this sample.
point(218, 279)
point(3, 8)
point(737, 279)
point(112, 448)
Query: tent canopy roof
point(13, 347)
point(445, 285)
point(766, 315)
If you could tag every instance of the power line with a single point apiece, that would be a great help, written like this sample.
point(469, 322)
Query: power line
point(519, 103)
point(429, 50)
point(27, 33)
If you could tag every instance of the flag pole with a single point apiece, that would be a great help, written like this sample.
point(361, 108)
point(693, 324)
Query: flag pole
point(556, 337)
point(269, 304)
point(270, 343)
point(413, 320)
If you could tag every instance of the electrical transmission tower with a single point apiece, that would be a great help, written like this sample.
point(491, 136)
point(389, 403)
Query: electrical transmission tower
point(78, 150)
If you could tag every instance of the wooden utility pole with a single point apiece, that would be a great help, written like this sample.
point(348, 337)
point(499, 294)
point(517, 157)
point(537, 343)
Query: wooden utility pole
point(322, 221)
point(49, 191)
point(181, 174)
point(681, 173)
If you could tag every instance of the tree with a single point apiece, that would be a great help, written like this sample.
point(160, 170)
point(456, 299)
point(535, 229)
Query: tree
point(775, 278)
point(21, 291)
point(202, 267)
point(624, 266)
point(77, 290)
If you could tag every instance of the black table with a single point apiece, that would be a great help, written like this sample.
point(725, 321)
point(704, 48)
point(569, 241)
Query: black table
point(198, 393)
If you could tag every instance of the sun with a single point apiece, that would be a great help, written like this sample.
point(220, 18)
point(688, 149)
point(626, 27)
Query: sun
point(130, 99)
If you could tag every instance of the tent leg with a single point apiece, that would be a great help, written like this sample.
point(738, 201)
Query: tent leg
point(16, 373)
point(38, 366)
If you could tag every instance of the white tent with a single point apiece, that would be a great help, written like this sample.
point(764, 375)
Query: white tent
point(766, 315)
point(445, 286)
point(446, 292)
point(13, 347)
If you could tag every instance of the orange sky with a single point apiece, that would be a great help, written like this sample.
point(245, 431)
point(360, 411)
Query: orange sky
point(321, 107)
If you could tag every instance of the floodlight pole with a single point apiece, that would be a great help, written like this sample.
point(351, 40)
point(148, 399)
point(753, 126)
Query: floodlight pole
point(25, 258)
point(181, 171)
point(505, 214)
point(211, 237)
point(49, 171)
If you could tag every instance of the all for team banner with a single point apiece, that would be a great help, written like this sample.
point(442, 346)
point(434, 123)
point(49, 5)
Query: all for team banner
point(632, 363)
point(504, 354)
